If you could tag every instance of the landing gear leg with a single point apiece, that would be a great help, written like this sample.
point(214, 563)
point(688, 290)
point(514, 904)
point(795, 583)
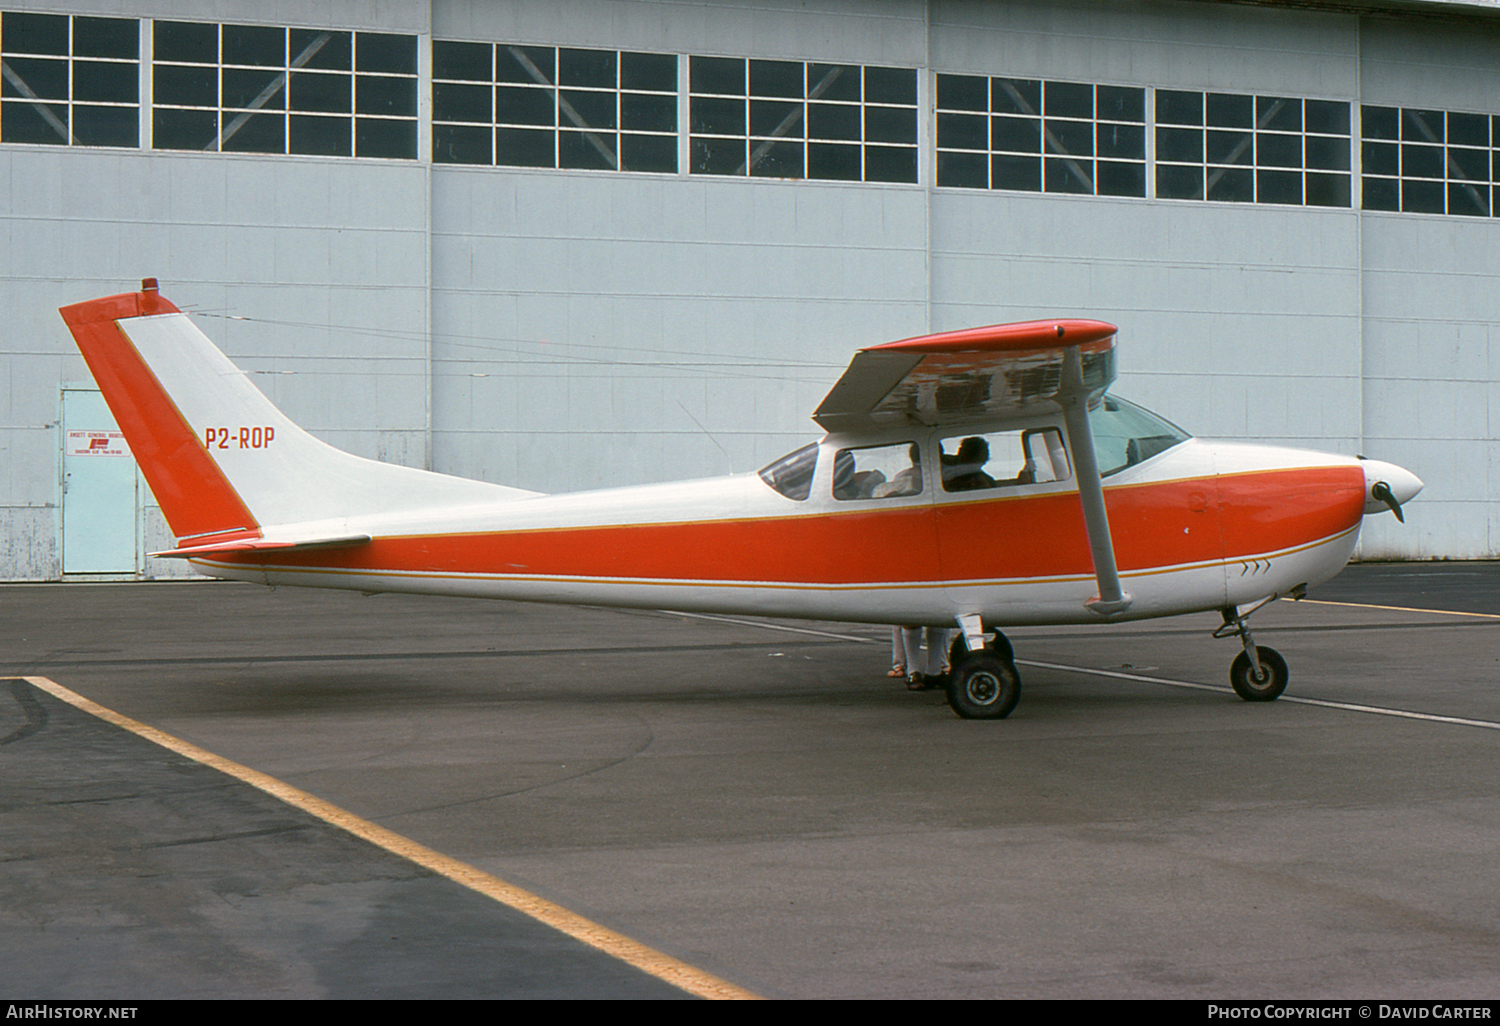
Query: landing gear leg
point(1258, 674)
point(984, 684)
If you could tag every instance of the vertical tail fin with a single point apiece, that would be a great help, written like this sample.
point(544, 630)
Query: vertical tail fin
point(223, 462)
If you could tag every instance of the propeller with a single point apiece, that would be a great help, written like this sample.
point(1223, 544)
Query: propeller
point(1382, 491)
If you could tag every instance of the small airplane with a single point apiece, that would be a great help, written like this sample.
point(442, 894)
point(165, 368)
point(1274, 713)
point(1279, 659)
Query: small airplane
point(976, 479)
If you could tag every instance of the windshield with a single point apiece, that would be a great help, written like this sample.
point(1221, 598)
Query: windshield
point(792, 475)
point(1125, 434)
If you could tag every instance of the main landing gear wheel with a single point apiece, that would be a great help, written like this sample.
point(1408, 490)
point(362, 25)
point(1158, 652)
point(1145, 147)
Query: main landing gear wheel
point(1271, 682)
point(984, 687)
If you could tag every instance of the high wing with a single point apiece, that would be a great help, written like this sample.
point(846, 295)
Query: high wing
point(989, 374)
point(957, 377)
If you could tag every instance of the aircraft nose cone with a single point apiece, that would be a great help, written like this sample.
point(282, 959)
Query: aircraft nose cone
point(1400, 483)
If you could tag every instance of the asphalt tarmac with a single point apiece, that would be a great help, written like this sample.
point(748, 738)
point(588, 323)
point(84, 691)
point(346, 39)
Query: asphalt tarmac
point(753, 800)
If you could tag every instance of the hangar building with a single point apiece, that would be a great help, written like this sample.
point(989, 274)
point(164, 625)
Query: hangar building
point(598, 242)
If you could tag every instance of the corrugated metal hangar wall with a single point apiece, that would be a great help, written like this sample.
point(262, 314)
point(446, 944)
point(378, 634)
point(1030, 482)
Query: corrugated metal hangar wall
point(601, 242)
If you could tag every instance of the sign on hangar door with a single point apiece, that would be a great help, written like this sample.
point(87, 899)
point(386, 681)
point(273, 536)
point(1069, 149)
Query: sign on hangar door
point(98, 489)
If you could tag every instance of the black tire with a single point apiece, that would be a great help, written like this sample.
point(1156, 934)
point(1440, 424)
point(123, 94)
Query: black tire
point(1242, 676)
point(984, 687)
point(1000, 645)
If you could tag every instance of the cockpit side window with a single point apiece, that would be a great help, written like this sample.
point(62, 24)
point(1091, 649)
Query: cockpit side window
point(1000, 459)
point(1125, 434)
point(792, 475)
point(878, 472)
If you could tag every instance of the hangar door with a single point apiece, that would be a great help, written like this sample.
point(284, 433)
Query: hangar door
point(98, 489)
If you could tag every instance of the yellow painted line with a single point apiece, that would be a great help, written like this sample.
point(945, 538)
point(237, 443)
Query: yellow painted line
point(1403, 609)
point(648, 960)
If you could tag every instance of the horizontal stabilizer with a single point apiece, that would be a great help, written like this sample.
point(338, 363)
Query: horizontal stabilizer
point(244, 545)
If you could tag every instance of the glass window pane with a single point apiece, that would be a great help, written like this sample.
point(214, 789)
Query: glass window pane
point(1073, 138)
point(1422, 161)
point(1330, 117)
point(588, 109)
point(258, 45)
point(1226, 110)
point(963, 170)
point(322, 137)
point(648, 153)
point(718, 156)
point(775, 117)
point(1182, 145)
point(385, 54)
point(960, 131)
point(532, 64)
point(834, 161)
point(518, 105)
point(1177, 182)
point(1380, 194)
point(963, 92)
point(1009, 172)
point(1278, 186)
point(243, 87)
point(656, 72)
point(333, 94)
point(388, 138)
point(185, 85)
point(776, 78)
point(891, 124)
point(1069, 100)
point(1328, 153)
point(469, 62)
point(648, 112)
point(1278, 114)
point(1422, 197)
point(252, 133)
point(34, 33)
point(1122, 103)
point(185, 41)
point(1121, 179)
point(1125, 141)
point(1070, 175)
point(1380, 158)
point(841, 121)
point(96, 81)
point(1015, 96)
point(452, 101)
point(718, 116)
point(776, 160)
point(105, 37)
point(1468, 129)
point(1178, 108)
point(325, 51)
point(890, 163)
point(596, 68)
point(1469, 200)
point(1019, 134)
point(594, 151)
point(1231, 185)
point(723, 75)
point(1421, 126)
point(1327, 190)
point(461, 144)
point(46, 79)
point(891, 85)
point(1380, 122)
point(378, 95)
point(38, 123)
point(525, 147)
point(833, 82)
point(1278, 150)
point(183, 129)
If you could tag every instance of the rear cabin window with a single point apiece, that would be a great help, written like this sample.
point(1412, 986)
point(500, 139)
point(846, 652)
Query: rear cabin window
point(1000, 459)
point(878, 472)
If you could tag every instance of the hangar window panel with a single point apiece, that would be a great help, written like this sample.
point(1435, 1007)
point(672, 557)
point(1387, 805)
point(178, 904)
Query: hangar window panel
point(1422, 161)
point(1063, 137)
point(1252, 149)
point(788, 119)
point(553, 107)
point(266, 89)
point(69, 80)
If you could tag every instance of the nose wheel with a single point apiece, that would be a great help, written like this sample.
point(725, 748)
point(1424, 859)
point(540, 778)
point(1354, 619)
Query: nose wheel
point(984, 684)
point(1258, 674)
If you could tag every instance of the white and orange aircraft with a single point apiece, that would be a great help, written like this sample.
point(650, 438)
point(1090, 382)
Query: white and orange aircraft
point(977, 479)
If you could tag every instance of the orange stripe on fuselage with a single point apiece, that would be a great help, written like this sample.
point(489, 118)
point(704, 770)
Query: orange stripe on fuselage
point(1154, 525)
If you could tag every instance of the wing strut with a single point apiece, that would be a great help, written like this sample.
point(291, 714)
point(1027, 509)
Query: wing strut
point(1074, 396)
